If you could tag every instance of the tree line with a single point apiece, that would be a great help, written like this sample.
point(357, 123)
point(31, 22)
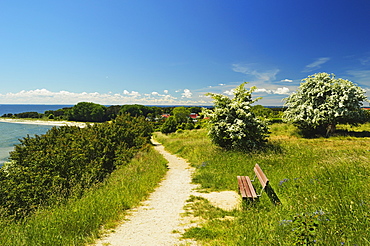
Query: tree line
point(93, 112)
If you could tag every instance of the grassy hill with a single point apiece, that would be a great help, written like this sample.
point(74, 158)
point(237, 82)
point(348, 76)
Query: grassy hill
point(322, 183)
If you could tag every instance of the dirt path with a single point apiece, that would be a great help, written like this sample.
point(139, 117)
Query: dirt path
point(155, 222)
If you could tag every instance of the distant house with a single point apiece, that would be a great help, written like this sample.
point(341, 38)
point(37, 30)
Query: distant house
point(194, 116)
point(165, 115)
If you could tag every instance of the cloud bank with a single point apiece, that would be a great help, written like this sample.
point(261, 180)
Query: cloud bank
point(44, 96)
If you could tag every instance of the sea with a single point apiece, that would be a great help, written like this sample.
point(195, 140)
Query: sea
point(10, 133)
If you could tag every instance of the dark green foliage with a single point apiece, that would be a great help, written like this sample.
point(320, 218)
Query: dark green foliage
point(52, 167)
point(28, 115)
point(305, 229)
point(58, 114)
point(261, 111)
point(140, 110)
point(181, 114)
point(195, 110)
point(170, 125)
point(88, 112)
point(111, 112)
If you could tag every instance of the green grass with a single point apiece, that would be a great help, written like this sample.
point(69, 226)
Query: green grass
point(322, 183)
point(80, 221)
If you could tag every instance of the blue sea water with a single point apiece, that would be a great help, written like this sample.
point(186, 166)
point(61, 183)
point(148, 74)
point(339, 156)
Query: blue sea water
point(10, 133)
point(21, 108)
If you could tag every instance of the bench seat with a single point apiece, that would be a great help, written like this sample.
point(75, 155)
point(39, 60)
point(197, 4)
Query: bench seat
point(246, 188)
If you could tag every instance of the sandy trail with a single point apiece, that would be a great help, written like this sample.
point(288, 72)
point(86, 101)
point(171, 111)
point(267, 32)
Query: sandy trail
point(155, 221)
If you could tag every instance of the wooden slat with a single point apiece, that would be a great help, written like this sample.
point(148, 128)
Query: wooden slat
point(253, 192)
point(246, 187)
point(261, 176)
point(241, 187)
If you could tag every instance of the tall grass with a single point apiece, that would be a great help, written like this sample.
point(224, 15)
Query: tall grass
point(80, 221)
point(322, 184)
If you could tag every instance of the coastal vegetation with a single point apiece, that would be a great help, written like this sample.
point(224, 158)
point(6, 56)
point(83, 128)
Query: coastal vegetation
point(48, 169)
point(79, 221)
point(62, 187)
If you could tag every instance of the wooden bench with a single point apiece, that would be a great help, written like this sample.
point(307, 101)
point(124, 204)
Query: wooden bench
point(248, 191)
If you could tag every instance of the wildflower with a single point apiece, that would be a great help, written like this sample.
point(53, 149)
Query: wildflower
point(204, 164)
point(283, 181)
point(319, 212)
point(285, 222)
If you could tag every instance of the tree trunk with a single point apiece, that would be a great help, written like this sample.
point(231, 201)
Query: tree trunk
point(330, 129)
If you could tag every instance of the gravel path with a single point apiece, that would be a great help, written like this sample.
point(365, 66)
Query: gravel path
point(155, 222)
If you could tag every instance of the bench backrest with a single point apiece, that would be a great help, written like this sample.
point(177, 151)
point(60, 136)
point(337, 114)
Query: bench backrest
point(261, 176)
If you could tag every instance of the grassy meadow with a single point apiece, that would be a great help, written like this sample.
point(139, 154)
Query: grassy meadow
point(322, 183)
point(80, 221)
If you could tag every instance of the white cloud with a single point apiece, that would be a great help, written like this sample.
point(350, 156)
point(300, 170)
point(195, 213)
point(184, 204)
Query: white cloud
point(365, 61)
point(263, 90)
point(44, 96)
point(360, 74)
point(286, 80)
point(229, 92)
point(187, 93)
point(132, 93)
point(165, 91)
point(279, 91)
point(260, 76)
point(282, 91)
point(361, 77)
point(316, 64)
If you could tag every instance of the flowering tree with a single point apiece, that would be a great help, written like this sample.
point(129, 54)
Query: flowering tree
point(322, 102)
point(232, 124)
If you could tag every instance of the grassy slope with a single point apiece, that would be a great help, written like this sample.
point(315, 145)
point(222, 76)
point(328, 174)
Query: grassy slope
point(322, 184)
point(80, 221)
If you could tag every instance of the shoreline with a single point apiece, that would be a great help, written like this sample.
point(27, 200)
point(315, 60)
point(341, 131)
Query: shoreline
point(43, 122)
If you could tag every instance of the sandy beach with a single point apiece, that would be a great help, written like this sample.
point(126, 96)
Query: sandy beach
point(43, 122)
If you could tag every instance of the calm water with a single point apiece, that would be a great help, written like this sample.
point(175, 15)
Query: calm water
point(11, 132)
point(21, 108)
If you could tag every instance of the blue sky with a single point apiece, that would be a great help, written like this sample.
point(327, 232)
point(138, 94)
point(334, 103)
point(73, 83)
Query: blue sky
point(174, 51)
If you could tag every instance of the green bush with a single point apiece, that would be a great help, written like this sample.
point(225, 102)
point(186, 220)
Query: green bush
point(50, 168)
point(170, 125)
point(232, 124)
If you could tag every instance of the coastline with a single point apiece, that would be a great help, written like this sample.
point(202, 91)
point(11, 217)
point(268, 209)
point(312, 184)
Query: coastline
point(43, 122)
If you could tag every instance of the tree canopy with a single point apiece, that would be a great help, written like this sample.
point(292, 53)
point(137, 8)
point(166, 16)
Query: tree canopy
point(232, 124)
point(181, 114)
point(322, 101)
point(87, 111)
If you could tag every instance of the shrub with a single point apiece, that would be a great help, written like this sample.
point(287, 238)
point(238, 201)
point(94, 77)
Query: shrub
point(232, 124)
point(170, 125)
point(67, 160)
